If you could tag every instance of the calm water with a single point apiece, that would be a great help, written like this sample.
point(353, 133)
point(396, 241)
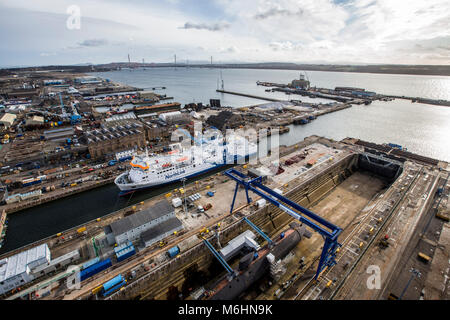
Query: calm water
point(423, 129)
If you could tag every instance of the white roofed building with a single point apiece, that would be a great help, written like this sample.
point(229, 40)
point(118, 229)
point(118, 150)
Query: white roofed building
point(16, 270)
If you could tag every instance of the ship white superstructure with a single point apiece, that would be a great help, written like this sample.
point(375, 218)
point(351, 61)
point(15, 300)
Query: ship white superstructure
point(178, 163)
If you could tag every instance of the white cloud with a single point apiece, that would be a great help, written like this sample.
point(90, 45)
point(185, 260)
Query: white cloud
point(360, 31)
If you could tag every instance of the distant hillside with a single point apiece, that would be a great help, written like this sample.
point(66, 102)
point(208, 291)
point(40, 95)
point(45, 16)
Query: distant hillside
point(442, 70)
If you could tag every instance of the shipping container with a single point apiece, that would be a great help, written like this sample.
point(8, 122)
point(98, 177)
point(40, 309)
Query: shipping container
point(94, 269)
point(125, 253)
point(172, 252)
point(113, 285)
point(90, 263)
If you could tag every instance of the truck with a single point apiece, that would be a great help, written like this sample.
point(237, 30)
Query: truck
point(112, 162)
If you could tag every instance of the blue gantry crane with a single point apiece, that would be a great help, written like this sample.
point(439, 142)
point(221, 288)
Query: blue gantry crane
point(329, 231)
point(265, 236)
point(219, 257)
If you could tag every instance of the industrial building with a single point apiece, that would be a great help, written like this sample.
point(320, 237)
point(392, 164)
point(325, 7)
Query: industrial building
point(156, 133)
point(87, 80)
point(160, 231)
point(132, 227)
point(148, 96)
point(35, 120)
point(8, 119)
point(234, 246)
point(59, 134)
point(225, 120)
point(109, 140)
point(16, 270)
point(175, 117)
point(53, 82)
point(55, 264)
point(301, 83)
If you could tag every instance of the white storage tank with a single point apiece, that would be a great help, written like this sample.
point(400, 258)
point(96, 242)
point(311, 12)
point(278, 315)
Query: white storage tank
point(169, 115)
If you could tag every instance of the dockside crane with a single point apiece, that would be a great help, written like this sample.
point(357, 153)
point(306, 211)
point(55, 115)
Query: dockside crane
point(329, 231)
point(230, 271)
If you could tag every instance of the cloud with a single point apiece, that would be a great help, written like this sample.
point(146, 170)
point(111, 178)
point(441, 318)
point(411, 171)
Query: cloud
point(277, 12)
point(203, 26)
point(336, 31)
point(93, 43)
point(231, 49)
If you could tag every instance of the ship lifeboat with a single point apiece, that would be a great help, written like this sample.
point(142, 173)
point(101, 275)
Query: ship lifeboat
point(182, 159)
point(166, 165)
point(173, 151)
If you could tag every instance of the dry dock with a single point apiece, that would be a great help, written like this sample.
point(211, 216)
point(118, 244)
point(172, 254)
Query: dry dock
point(367, 194)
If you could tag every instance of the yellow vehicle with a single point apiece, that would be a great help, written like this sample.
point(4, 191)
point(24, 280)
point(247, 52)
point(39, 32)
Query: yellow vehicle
point(97, 290)
point(424, 257)
point(81, 230)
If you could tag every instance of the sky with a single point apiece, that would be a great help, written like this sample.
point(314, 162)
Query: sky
point(44, 32)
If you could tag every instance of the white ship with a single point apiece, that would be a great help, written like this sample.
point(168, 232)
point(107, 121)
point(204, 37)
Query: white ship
point(154, 170)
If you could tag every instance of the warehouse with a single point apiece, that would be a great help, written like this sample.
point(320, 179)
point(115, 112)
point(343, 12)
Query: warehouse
point(113, 139)
point(59, 134)
point(16, 270)
point(35, 120)
point(8, 119)
point(55, 264)
point(160, 231)
point(130, 228)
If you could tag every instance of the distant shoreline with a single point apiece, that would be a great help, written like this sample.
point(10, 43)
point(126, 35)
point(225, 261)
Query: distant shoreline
point(425, 70)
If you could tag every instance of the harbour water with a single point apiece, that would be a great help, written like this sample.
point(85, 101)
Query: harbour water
point(423, 129)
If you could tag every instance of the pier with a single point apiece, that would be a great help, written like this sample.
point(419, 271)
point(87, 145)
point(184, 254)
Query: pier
point(248, 95)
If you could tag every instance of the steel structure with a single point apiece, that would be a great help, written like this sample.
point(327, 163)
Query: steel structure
point(329, 231)
point(222, 261)
point(265, 236)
